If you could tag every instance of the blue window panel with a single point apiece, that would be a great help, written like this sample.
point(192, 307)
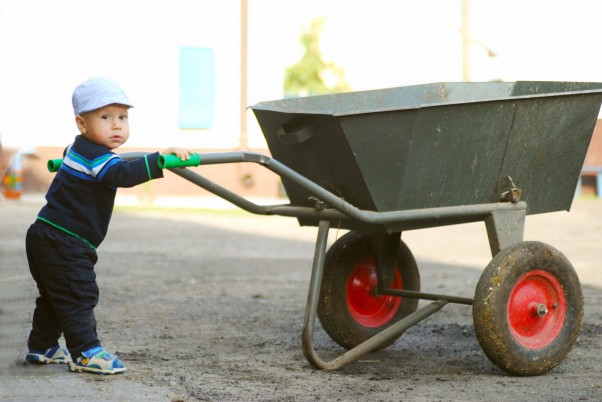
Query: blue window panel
point(197, 87)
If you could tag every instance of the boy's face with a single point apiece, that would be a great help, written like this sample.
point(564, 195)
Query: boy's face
point(106, 126)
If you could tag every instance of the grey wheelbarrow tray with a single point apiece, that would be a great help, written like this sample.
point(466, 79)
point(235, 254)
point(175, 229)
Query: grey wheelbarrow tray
point(385, 161)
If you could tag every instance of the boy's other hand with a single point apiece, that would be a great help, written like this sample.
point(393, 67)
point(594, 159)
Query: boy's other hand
point(181, 153)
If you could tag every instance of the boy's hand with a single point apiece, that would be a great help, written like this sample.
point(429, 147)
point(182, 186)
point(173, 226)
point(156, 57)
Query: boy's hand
point(182, 153)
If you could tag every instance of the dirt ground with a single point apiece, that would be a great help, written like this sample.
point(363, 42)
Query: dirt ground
point(210, 306)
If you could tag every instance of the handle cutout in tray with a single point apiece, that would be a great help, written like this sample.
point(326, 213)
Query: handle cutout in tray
point(296, 131)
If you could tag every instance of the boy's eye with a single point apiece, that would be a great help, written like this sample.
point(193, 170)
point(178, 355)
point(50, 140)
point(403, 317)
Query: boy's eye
point(105, 116)
point(123, 117)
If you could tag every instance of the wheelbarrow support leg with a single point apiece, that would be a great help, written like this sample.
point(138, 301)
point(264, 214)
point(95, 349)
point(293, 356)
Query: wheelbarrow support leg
point(365, 347)
point(385, 247)
point(505, 228)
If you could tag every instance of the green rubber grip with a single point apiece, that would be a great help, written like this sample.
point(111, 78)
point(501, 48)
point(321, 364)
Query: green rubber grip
point(174, 161)
point(54, 165)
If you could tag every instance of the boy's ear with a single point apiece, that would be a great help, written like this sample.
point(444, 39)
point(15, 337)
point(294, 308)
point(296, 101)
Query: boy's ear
point(81, 124)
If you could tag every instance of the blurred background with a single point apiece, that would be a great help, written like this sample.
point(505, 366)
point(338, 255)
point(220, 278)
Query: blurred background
point(191, 67)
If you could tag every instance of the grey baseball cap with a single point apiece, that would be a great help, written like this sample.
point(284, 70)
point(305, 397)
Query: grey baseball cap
point(95, 93)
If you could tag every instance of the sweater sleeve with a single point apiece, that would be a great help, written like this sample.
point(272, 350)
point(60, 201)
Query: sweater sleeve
point(121, 173)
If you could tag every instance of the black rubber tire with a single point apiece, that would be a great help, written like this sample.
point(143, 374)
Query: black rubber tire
point(514, 337)
point(340, 262)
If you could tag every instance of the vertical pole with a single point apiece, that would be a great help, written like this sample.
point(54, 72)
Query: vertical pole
point(466, 40)
point(244, 20)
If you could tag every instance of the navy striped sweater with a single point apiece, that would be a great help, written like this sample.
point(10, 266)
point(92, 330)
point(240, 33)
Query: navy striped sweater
point(81, 197)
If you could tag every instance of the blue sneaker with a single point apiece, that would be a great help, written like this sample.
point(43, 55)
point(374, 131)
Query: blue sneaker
point(54, 355)
point(97, 360)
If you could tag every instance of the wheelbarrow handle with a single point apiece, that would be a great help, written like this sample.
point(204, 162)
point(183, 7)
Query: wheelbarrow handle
point(54, 165)
point(174, 161)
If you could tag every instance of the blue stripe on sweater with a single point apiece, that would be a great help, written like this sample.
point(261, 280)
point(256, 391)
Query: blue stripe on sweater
point(90, 168)
point(76, 173)
point(107, 165)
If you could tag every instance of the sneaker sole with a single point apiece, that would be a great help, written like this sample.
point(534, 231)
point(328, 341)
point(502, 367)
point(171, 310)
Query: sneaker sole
point(43, 360)
point(79, 369)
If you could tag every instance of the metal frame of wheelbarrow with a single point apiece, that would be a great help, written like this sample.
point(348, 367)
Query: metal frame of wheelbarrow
point(504, 223)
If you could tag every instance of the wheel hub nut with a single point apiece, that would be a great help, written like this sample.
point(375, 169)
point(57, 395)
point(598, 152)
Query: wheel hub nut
point(539, 309)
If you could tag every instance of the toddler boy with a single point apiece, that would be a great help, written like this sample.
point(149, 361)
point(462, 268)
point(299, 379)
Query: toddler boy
point(61, 244)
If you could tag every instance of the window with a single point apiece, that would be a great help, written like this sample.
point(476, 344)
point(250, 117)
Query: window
point(197, 87)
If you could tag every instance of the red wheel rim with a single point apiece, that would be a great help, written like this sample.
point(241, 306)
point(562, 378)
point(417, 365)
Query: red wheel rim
point(536, 309)
point(366, 307)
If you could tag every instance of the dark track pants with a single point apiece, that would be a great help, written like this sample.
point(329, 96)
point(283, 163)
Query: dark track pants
point(63, 268)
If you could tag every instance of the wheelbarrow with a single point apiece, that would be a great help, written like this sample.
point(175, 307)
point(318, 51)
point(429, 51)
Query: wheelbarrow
point(386, 161)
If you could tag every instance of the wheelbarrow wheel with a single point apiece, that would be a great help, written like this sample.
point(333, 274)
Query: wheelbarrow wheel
point(349, 309)
point(528, 308)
